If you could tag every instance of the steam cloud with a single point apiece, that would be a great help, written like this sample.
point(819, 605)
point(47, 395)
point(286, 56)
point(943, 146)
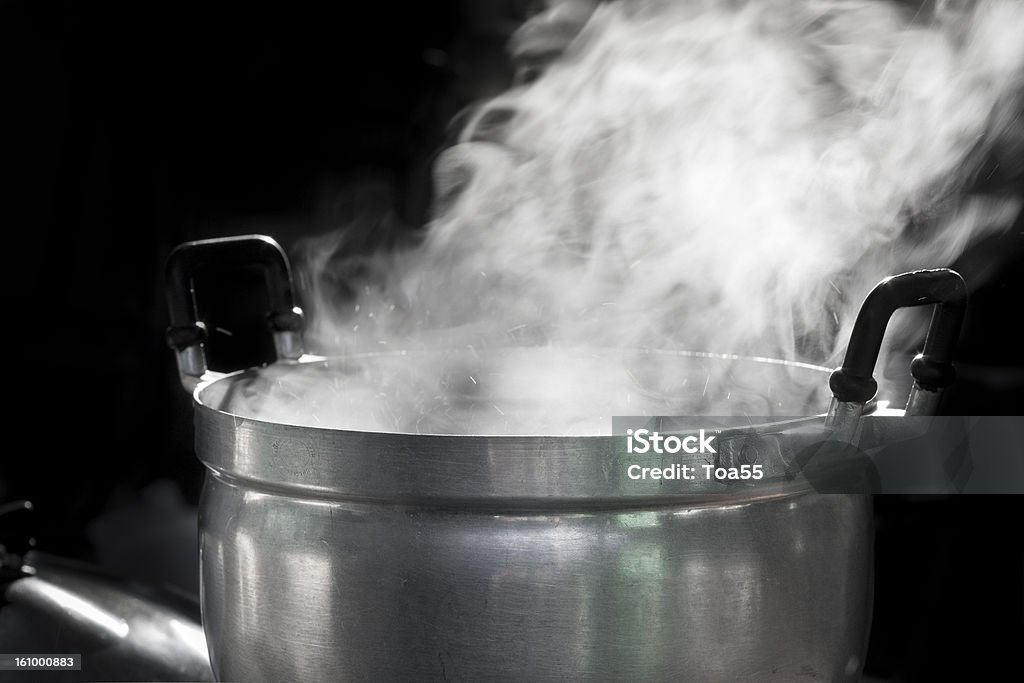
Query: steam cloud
point(725, 177)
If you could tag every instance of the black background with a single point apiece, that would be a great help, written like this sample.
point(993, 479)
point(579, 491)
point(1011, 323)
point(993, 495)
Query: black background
point(137, 126)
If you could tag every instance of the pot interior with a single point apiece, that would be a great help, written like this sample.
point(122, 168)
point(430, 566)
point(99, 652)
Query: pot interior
point(518, 391)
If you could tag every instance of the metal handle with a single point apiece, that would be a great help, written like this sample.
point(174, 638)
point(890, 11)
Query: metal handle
point(187, 334)
point(853, 384)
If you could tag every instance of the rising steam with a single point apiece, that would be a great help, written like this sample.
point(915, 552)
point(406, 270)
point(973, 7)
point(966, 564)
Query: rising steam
point(719, 176)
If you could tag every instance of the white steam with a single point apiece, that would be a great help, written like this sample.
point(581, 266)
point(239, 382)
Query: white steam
point(715, 176)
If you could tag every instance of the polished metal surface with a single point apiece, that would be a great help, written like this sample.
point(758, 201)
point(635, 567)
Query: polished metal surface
point(288, 344)
point(124, 632)
point(923, 401)
point(330, 590)
point(332, 555)
point(191, 366)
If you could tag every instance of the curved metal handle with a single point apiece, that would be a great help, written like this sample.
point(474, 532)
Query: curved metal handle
point(853, 384)
point(187, 334)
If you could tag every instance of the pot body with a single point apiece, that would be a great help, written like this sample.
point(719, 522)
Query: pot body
point(331, 555)
point(325, 590)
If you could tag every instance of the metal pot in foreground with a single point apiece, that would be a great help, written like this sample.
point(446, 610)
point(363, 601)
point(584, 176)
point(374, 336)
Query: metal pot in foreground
point(337, 554)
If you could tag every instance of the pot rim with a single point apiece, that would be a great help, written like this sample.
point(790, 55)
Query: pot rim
point(488, 471)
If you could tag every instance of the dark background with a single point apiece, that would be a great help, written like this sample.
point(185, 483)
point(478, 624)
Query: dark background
point(137, 126)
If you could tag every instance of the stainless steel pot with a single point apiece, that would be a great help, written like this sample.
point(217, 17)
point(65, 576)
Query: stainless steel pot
point(331, 555)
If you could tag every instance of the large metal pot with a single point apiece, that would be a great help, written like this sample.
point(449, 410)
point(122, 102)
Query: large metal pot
point(331, 555)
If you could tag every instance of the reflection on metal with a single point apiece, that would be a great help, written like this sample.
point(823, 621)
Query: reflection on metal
point(191, 366)
point(190, 635)
point(92, 616)
point(638, 520)
point(843, 419)
point(116, 626)
point(923, 401)
point(385, 590)
point(288, 344)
